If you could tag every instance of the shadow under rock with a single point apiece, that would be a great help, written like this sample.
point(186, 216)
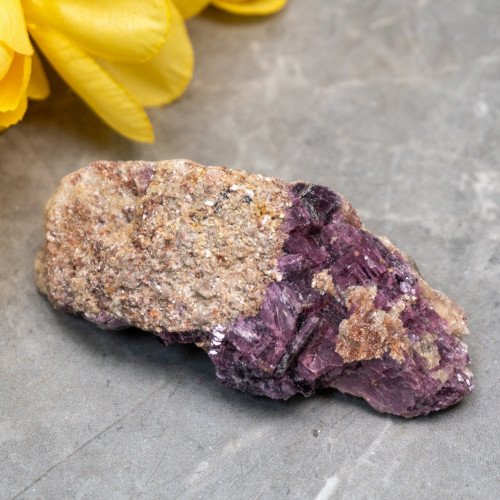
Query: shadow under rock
point(143, 349)
point(136, 347)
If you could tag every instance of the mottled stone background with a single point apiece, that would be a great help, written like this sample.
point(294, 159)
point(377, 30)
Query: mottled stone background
point(393, 103)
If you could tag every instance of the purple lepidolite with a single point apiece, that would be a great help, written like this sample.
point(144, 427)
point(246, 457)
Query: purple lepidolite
point(279, 282)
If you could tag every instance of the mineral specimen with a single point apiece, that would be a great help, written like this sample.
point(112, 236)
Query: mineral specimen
point(279, 282)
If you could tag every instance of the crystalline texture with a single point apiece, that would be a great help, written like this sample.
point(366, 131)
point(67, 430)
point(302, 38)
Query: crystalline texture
point(279, 282)
point(408, 365)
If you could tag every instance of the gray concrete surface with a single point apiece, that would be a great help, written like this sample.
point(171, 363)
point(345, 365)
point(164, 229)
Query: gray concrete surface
point(393, 103)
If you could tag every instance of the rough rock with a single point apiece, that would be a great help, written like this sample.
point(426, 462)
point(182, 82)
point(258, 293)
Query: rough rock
point(279, 282)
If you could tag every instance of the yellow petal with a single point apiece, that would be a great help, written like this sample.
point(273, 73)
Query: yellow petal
point(250, 7)
point(163, 78)
point(6, 57)
point(118, 30)
point(14, 84)
point(38, 87)
point(13, 27)
point(9, 118)
point(111, 102)
point(190, 8)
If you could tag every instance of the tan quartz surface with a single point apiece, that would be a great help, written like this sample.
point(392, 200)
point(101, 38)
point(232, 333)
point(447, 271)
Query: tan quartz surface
point(194, 249)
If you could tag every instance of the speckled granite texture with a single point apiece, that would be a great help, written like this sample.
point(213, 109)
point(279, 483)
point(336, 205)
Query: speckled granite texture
point(396, 105)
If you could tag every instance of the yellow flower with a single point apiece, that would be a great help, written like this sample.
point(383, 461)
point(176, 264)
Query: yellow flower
point(18, 62)
point(117, 55)
point(190, 8)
